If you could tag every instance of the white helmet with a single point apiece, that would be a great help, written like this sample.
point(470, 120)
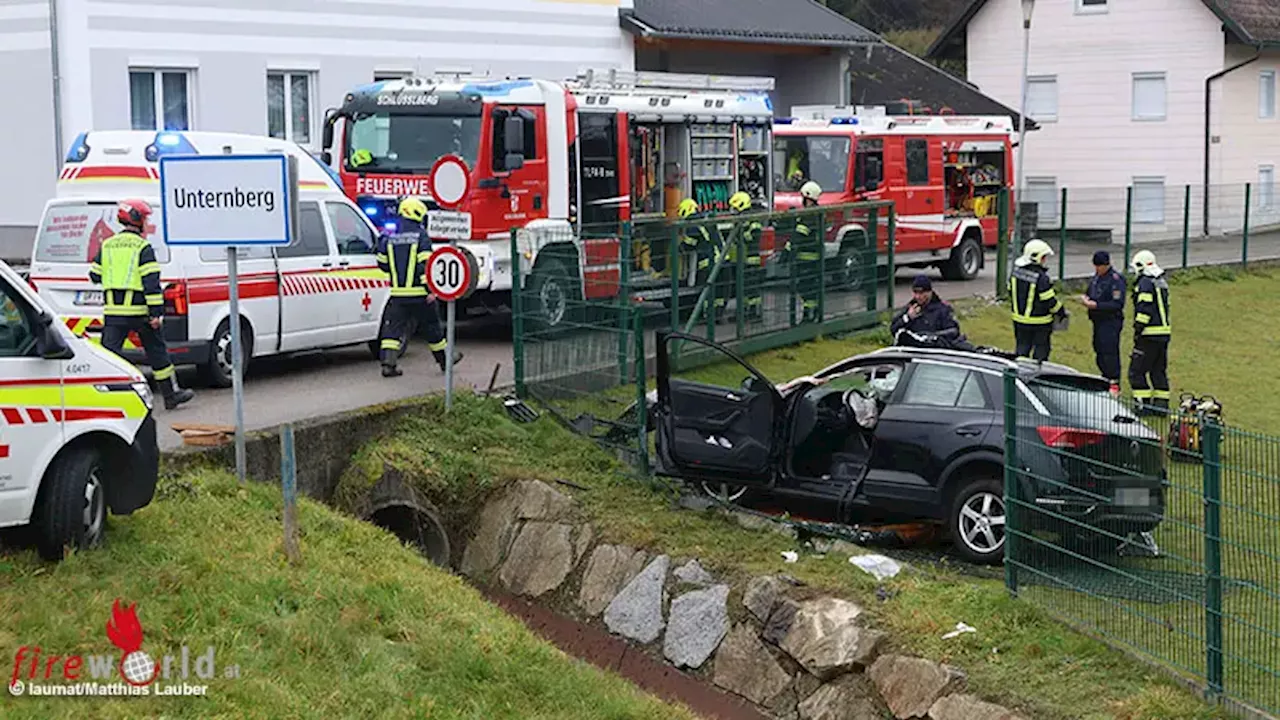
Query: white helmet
point(1035, 251)
point(811, 190)
point(1144, 263)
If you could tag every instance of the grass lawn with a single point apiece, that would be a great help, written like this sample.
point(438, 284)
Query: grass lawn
point(363, 628)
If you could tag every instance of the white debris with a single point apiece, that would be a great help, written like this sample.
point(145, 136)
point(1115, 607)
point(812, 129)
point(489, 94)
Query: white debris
point(961, 628)
point(879, 566)
point(790, 556)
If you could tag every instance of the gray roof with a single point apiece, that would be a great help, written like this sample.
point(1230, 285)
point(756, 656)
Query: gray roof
point(1253, 22)
point(786, 22)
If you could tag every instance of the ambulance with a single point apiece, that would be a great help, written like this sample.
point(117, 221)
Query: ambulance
point(77, 435)
point(322, 291)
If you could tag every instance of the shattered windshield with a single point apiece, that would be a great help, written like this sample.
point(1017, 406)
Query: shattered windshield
point(798, 159)
point(404, 143)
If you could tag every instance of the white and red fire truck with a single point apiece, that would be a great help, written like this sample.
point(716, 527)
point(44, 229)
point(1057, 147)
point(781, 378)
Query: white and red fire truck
point(565, 162)
point(942, 172)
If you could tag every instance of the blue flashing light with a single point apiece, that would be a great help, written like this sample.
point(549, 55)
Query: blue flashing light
point(783, 120)
point(844, 121)
point(371, 210)
point(79, 149)
point(169, 143)
point(389, 226)
point(497, 88)
point(168, 140)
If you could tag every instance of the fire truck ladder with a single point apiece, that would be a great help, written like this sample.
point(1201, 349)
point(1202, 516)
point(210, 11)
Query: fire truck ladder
point(627, 81)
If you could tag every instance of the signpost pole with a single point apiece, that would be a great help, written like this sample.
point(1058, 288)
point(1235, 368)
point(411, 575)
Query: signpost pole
point(237, 366)
point(450, 323)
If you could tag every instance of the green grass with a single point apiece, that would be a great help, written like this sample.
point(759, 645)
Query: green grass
point(362, 628)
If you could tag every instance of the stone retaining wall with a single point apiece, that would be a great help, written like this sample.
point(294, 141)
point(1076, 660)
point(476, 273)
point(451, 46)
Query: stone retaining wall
point(793, 654)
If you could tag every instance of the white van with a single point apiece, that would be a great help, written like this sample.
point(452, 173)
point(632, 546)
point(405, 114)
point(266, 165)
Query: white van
point(77, 437)
point(324, 290)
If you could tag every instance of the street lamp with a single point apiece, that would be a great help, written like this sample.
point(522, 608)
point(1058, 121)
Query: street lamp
point(1028, 6)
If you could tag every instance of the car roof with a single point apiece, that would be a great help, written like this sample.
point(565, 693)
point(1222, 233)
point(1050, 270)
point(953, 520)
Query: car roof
point(988, 359)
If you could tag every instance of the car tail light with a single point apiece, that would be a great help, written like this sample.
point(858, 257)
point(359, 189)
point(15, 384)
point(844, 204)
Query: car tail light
point(175, 299)
point(1072, 438)
point(34, 288)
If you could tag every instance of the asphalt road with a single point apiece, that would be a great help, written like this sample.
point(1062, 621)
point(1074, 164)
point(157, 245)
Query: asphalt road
point(300, 387)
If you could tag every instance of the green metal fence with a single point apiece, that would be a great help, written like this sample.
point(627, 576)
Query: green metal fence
point(1160, 534)
point(587, 303)
point(1185, 225)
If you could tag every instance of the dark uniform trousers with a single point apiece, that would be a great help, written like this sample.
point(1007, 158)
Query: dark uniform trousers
point(1148, 366)
point(404, 257)
point(115, 330)
point(806, 267)
point(1108, 291)
point(1034, 303)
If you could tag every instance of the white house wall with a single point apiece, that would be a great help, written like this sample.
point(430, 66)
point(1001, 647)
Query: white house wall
point(1094, 147)
point(230, 45)
point(25, 72)
point(1246, 142)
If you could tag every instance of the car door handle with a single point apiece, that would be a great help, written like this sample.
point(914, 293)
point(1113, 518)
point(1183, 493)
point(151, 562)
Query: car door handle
point(968, 431)
point(344, 262)
point(327, 263)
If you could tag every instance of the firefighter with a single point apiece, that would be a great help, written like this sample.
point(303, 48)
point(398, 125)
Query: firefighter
point(126, 268)
point(753, 269)
point(698, 239)
point(1151, 335)
point(1105, 300)
point(807, 257)
point(1034, 301)
point(404, 256)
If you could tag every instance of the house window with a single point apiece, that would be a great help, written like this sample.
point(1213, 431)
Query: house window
point(1148, 200)
point(289, 114)
point(160, 99)
point(1267, 94)
point(1149, 96)
point(918, 162)
point(1266, 187)
point(385, 75)
point(1043, 191)
point(1042, 98)
point(1091, 6)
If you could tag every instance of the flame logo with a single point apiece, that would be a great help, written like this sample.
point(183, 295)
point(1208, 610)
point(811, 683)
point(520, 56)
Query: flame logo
point(125, 632)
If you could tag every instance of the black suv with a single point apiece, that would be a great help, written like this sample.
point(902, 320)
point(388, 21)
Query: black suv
point(909, 434)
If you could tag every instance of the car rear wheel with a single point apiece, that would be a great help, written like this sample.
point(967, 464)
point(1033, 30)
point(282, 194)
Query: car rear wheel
point(71, 509)
point(977, 521)
point(965, 262)
point(217, 371)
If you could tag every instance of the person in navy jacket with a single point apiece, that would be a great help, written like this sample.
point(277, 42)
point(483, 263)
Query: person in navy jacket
point(1105, 300)
point(926, 315)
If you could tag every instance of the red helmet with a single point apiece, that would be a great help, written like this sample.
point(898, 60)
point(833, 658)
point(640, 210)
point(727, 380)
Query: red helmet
point(133, 213)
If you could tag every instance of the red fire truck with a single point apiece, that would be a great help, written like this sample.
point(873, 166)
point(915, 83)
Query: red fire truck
point(565, 162)
point(942, 172)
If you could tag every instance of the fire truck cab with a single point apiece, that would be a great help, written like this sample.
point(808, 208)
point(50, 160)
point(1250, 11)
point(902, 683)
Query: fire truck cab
point(564, 163)
point(942, 172)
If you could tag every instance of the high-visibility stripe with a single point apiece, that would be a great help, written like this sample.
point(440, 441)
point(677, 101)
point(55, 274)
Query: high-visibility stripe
point(37, 415)
point(438, 345)
point(1142, 318)
point(12, 416)
point(1144, 394)
point(40, 416)
point(1145, 297)
point(1048, 294)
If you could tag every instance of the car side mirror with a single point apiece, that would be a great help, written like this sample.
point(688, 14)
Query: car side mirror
point(513, 135)
point(326, 133)
point(49, 342)
point(873, 173)
point(326, 157)
point(753, 384)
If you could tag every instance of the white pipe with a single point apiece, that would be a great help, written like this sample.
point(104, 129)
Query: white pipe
point(55, 67)
point(1022, 142)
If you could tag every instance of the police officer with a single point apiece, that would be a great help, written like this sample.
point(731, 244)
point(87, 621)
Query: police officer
point(127, 269)
point(1152, 331)
point(404, 257)
point(1034, 302)
point(926, 314)
point(1105, 300)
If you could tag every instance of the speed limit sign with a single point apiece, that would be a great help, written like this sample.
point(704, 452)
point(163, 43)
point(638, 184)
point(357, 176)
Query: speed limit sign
point(452, 273)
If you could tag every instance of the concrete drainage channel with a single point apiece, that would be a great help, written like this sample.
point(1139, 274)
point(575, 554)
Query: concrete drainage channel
point(766, 647)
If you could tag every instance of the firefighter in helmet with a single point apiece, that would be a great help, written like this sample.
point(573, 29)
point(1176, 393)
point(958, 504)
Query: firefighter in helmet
point(403, 256)
point(126, 268)
point(805, 249)
point(1033, 301)
point(1152, 331)
point(748, 237)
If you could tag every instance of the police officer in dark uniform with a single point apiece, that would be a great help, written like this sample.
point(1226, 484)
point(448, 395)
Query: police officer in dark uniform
point(403, 256)
point(926, 315)
point(1105, 300)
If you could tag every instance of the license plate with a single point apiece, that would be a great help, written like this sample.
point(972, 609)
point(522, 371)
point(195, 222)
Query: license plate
point(1133, 497)
point(88, 297)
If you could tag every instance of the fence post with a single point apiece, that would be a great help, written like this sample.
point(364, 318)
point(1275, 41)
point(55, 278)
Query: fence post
point(637, 329)
point(1244, 246)
point(624, 298)
point(673, 266)
point(793, 273)
point(873, 231)
point(1010, 478)
point(740, 280)
point(822, 266)
point(875, 267)
point(1211, 436)
point(1128, 222)
point(289, 486)
point(1186, 223)
point(1062, 237)
point(517, 318)
point(1002, 246)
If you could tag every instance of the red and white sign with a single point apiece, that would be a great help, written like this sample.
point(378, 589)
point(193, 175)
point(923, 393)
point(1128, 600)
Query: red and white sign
point(393, 186)
point(452, 272)
point(449, 181)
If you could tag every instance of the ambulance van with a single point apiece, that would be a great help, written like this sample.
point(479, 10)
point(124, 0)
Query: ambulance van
point(322, 291)
point(77, 436)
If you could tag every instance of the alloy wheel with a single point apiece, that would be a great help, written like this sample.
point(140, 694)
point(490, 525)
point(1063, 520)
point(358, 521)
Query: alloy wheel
point(982, 523)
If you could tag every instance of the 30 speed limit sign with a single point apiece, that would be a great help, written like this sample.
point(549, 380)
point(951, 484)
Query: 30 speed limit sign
point(452, 272)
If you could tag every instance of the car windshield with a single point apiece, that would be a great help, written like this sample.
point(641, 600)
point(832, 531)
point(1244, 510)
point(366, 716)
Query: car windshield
point(404, 143)
point(1079, 403)
point(798, 159)
point(73, 232)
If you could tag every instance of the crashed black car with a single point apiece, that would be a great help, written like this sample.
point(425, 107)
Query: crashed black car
point(908, 434)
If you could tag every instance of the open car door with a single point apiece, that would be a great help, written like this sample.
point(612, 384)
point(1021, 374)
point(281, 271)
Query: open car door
point(707, 432)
